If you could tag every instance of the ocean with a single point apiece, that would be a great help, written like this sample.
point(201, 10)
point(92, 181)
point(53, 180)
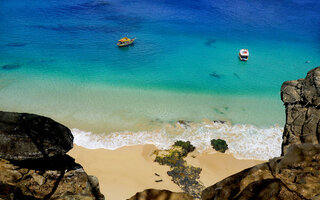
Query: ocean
point(60, 59)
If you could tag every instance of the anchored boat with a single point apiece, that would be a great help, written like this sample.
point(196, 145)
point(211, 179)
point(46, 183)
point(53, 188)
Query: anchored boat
point(123, 42)
point(244, 54)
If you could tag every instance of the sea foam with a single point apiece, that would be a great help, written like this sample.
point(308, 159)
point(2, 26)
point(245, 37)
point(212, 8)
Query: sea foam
point(244, 141)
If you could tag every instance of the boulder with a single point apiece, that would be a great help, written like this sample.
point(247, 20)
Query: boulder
point(302, 101)
point(51, 178)
point(27, 136)
point(153, 194)
point(294, 176)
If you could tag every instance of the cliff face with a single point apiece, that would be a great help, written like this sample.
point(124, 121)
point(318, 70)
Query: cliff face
point(302, 100)
point(33, 164)
point(295, 175)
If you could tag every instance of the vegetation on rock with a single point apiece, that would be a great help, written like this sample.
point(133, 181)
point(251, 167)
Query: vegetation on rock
point(184, 175)
point(219, 145)
point(186, 146)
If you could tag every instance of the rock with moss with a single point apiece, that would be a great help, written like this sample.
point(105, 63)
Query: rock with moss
point(184, 175)
point(219, 145)
point(186, 146)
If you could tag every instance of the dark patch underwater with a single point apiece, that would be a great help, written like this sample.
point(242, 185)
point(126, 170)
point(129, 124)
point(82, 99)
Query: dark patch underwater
point(10, 66)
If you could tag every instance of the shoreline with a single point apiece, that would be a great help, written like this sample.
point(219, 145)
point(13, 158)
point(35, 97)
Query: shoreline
point(244, 141)
point(127, 170)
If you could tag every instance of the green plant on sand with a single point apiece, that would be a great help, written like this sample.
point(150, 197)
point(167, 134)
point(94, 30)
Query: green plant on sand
point(186, 146)
point(219, 145)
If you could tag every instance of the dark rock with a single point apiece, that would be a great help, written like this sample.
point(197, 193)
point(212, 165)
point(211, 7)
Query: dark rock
point(184, 175)
point(183, 122)
point(302, 100)
point(28, 136)
point(187, 178)
point(152, 194)
point(294, 176)
point(51, 178)
point(219, 145)
point(219, 121)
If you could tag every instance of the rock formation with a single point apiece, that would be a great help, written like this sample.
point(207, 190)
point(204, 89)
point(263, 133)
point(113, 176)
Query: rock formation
point(27, 136)
point(302, 100)
point(295, 175)
point(152, 194)
point(184, 175)
point(33, 164)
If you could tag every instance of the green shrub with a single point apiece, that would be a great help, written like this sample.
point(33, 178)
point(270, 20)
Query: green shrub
point(219, 145)
point(186, 146)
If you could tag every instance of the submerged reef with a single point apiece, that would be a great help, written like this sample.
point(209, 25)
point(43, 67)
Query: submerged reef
point(209, 42)
point(215, 75)
point(16, 44)
point(184, 175)
point(10, 66)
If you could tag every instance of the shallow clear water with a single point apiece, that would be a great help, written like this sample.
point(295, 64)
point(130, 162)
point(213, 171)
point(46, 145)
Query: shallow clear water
point(63, 61)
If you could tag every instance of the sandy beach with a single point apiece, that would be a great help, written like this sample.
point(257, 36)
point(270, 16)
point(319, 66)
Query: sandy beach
point(128, 170)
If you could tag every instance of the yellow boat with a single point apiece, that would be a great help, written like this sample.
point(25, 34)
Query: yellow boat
point(125, 42)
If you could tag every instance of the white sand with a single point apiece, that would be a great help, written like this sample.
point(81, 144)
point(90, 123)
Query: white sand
point(128, 170)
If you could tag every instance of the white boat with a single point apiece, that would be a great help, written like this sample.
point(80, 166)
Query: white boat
point(244, 54)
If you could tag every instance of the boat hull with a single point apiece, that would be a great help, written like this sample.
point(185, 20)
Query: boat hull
point(125, 44)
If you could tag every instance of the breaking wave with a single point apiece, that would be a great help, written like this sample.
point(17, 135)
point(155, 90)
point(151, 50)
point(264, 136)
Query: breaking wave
point(244, 141)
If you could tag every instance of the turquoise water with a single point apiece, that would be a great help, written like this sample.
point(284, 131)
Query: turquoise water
point(64, 62)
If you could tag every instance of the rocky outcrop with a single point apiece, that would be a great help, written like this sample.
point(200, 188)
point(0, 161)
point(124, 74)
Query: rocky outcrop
point(184, 175)
point(55, 178)
point(294, 176)
point(302, 100)
point(27, 136)
point(152, 194)
point(33, 164)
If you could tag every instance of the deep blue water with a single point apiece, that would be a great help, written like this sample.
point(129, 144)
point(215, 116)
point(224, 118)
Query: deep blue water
point(181, 46)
